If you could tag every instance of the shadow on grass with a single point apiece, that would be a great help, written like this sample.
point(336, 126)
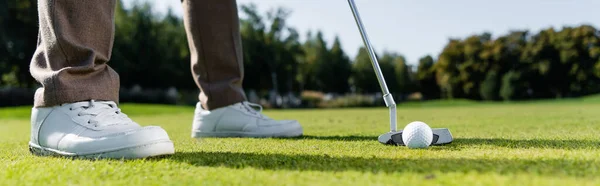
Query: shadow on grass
point(578, 168)
point(532, 143)
point(335, 138)
point(499, 142)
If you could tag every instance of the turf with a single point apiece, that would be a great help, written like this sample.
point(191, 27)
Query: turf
point(532, 143)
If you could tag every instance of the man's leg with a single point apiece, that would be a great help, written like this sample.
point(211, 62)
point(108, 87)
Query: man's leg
point(75, 42)
point(74, 45)
point(212, 28)
point(213, 33)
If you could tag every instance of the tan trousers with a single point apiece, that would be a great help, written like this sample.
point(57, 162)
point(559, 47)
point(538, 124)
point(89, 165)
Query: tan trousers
point(76, 38)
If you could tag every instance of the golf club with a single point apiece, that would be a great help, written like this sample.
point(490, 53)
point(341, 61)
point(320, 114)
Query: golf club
point(394, 137)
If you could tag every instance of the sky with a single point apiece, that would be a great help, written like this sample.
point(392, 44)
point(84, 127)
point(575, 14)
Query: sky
point(418, 28)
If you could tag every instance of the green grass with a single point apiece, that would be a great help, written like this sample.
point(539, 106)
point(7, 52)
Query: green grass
point(525, 143)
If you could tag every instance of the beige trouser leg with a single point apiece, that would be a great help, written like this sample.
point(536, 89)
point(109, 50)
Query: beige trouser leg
point(76, 39)
point(212, 28)
point(74, 44)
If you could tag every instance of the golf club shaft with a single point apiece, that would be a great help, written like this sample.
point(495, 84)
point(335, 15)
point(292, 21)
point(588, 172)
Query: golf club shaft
point(370, 49)
point(387, 97)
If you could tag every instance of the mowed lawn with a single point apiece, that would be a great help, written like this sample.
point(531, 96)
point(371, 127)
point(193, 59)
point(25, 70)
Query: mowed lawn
point(533, 143)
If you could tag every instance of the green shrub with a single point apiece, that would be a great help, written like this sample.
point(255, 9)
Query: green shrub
point(490, 88)
point(510, 89)
point(311, 99)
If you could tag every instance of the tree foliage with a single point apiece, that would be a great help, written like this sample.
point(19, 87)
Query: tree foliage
point(426, 79)
point(272, 51)
point(18, 40)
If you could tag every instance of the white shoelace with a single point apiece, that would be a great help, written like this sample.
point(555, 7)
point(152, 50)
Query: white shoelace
point(101, 113)
point(251, 108)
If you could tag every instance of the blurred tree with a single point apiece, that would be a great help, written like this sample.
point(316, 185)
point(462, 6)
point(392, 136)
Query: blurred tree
point(490, 88)
point(150, 50)
point(447, 69)
point(473, 70)
point(404, 76)
point(500, 56)
point(18, 40)
point(363, 76)
point(512, 86)
point(391, 64)
point(544, 71)
point(318, 74)
point(274, 54)
point(253, 35)
point(311, 49)
point(339, 70)
point(388, 68)
point(575, 46)
point(325, 69)
point(425, 78)
point(292, 58)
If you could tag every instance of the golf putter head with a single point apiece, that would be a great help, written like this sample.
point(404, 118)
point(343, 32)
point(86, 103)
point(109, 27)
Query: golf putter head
point(441, 136)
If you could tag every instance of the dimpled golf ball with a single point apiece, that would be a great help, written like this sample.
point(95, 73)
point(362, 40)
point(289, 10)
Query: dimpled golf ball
point(417, 135)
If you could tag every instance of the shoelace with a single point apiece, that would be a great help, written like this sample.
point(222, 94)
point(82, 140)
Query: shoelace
point(250, 107)
point(107, 112)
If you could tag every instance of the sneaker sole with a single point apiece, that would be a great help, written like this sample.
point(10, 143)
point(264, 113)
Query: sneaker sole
point(294, 132)
point(156, 149)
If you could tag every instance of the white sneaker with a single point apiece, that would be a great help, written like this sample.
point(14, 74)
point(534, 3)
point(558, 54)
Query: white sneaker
point(241, 120)
point(94, 129)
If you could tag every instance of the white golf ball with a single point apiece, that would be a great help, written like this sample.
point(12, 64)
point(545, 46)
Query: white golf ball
point(417, 135)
